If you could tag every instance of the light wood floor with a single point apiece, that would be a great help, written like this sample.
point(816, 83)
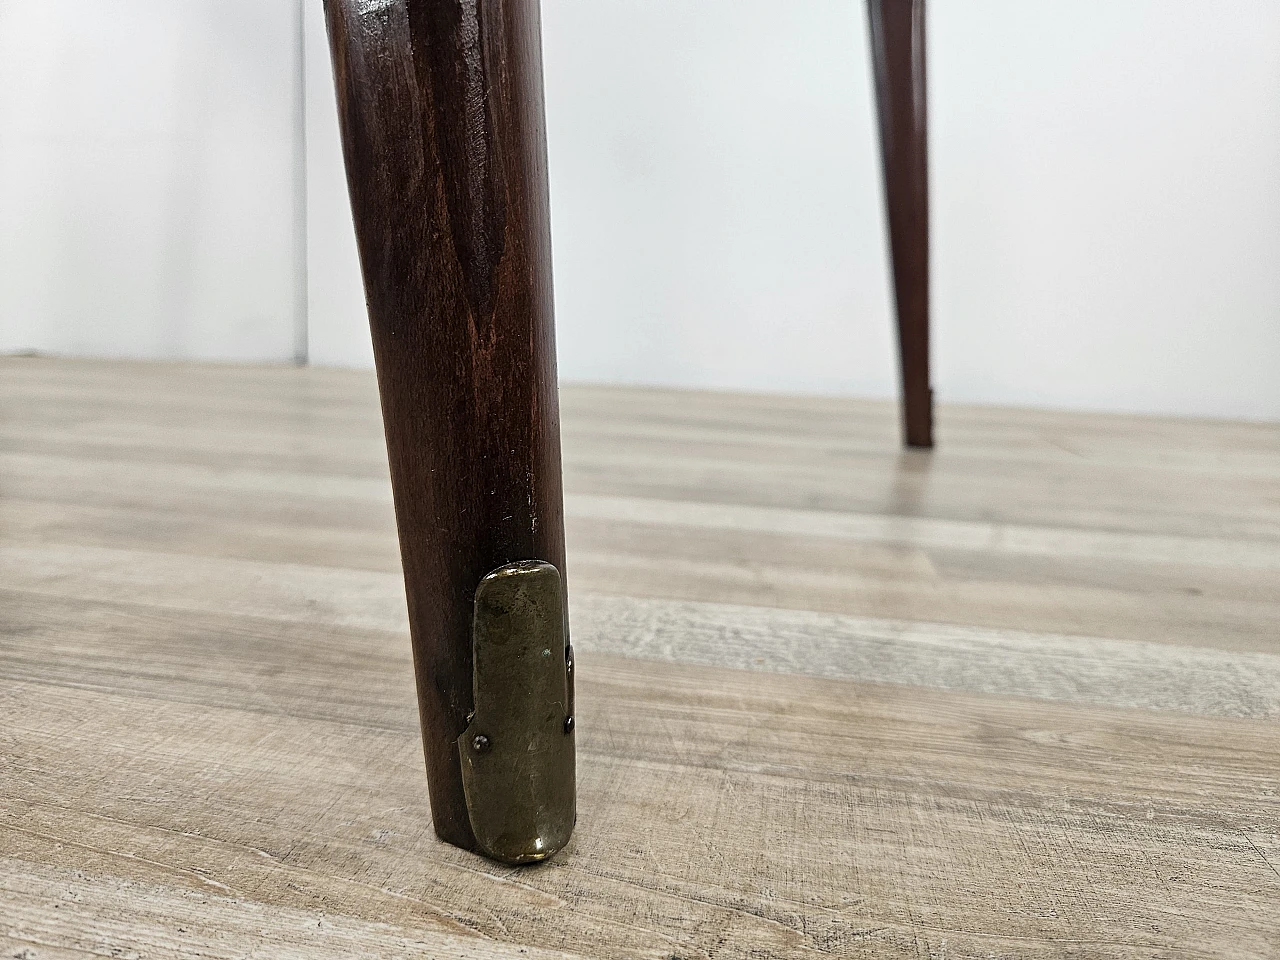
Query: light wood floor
point(1016, 698)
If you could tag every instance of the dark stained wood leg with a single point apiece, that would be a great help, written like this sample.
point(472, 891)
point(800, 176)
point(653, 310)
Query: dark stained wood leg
point(897, 51)
point(443, 133)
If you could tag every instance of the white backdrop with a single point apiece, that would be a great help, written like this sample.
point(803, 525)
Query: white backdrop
point(1106, 190)
point(146, 178)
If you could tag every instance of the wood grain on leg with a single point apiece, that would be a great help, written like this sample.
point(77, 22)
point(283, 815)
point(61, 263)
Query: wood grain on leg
point(898, 55)
point(442, 125)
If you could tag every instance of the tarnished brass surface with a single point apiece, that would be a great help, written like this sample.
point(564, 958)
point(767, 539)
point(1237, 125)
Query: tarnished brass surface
point(517, 751)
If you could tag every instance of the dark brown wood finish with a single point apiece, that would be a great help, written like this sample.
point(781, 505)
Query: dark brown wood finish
point(442, 124)
point(897, 51)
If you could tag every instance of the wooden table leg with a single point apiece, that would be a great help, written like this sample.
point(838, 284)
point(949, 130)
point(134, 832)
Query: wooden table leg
point(443, 133)
point(897, 51)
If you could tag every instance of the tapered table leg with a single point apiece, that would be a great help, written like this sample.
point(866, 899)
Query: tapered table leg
point(897, 52)
point(442, 124)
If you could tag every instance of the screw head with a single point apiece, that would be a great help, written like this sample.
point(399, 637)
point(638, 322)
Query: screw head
point(481, 743)
point(568, 724)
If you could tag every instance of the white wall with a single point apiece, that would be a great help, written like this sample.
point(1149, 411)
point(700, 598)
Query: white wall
point(146, 171)
point(715, 199)
point(1106, 189)
point(337, 325)
point(1107, 218)
point(715, 195)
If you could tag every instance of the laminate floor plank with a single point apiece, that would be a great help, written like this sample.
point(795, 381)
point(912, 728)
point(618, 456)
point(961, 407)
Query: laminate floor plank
point(1019, 697)
point(881, 818)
